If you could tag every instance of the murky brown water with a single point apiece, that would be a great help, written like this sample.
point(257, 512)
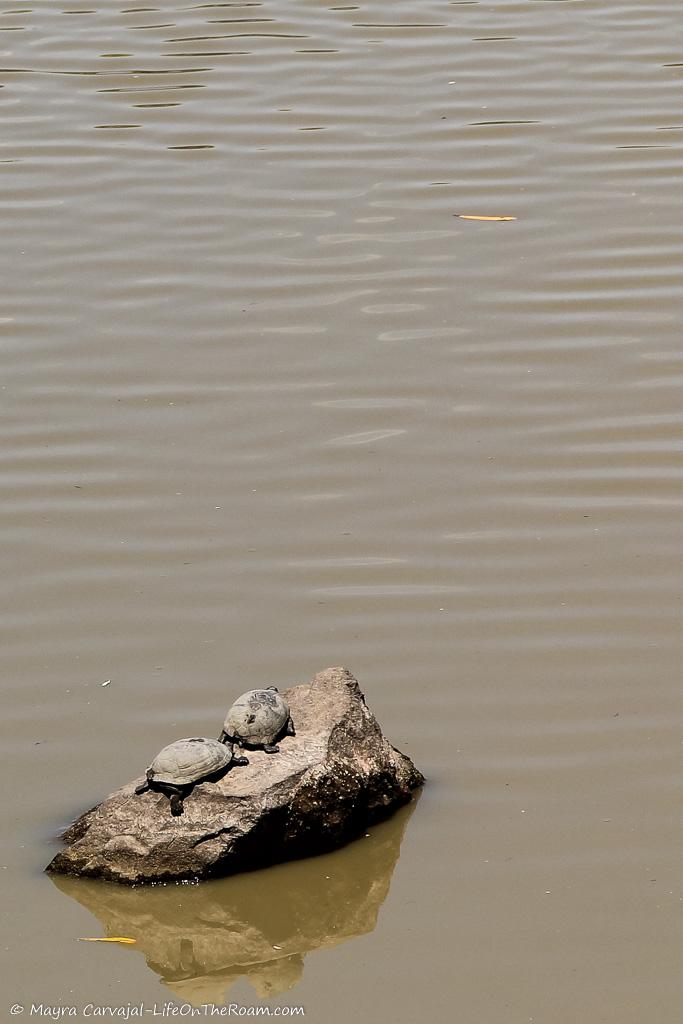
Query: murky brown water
point(267, 407)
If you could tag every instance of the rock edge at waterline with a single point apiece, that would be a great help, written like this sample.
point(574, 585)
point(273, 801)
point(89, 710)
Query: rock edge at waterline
point(336, 776)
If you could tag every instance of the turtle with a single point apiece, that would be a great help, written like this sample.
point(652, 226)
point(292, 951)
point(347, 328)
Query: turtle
point(182, 765)
point(257, 719)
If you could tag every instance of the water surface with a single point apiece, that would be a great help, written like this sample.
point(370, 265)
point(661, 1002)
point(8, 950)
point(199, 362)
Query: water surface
point(267, 406)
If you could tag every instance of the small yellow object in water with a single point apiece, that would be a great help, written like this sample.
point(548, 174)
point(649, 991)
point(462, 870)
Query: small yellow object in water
point(472, 216)
point(116, 938)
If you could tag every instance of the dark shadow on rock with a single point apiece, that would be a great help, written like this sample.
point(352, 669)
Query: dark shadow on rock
point(200, 939)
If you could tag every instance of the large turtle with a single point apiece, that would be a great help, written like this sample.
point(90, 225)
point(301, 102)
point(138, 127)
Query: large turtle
point(182, 765)
point(257, 720)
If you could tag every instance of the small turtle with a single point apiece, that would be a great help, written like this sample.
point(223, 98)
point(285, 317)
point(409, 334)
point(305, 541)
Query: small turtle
point(182, 765)
point(257, 720)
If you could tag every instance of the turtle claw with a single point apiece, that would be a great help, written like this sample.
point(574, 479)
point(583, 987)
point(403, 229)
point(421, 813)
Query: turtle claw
point(240, 760)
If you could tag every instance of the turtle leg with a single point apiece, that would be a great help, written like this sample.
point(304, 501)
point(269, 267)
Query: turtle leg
point(227, 738)
point(289, 728)
point(239, 761)
point(177, 808)
point(271, 748)
point(143, 787)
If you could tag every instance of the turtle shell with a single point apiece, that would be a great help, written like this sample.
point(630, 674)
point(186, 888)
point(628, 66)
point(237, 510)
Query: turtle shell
point(257, 717)
point(189, 760)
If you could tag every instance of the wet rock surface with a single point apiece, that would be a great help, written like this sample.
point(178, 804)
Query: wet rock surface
point(337, 775)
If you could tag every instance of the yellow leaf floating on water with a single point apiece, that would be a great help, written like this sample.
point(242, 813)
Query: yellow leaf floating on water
point(473, 216)
point(116, 938)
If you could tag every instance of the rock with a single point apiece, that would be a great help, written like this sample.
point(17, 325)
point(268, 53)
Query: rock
point(336, 776)
point(201, 939)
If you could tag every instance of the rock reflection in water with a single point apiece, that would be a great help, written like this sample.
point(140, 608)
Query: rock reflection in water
point(200, 939)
